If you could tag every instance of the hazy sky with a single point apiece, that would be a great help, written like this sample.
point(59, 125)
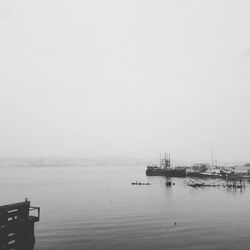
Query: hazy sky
point(125, 79)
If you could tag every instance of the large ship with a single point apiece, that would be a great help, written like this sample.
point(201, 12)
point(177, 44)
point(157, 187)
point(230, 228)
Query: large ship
point(165, 169)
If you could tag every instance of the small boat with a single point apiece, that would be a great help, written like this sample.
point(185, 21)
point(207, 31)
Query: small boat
point(193, 183)
point(196, 184)
point(168, 183)
point(140, 183)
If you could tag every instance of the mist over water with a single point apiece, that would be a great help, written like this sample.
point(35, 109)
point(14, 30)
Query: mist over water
point(125, 79)
point(94, 206)
point(117, 80)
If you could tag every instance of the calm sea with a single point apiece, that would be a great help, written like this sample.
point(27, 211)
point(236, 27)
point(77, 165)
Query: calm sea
point(92, 205)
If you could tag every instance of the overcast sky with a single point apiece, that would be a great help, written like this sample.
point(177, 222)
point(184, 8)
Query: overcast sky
point(132, 78)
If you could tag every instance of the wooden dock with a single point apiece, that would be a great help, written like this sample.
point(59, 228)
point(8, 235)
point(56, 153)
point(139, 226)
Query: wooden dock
point(235, 182)
point(17, 226)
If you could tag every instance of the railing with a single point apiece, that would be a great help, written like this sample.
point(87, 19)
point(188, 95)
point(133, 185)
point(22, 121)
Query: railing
point(16, 212)
point(37, 209)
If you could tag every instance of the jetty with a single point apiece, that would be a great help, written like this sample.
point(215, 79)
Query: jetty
point(232, 182)
point(17, 226)
point(235, 182)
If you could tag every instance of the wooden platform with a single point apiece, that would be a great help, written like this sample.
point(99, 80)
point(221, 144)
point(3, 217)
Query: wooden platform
point(17, 226)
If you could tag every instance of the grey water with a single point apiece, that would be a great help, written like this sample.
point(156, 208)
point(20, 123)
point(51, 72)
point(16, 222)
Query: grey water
point(92, 205)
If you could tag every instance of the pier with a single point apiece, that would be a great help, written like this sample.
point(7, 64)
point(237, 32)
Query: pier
point(17, 226)
point(235, 182)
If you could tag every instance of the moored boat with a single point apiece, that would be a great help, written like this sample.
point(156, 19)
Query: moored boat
point(165, 169)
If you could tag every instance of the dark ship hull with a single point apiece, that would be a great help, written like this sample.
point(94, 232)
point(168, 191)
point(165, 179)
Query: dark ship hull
point(166, 172)
point(165, 169)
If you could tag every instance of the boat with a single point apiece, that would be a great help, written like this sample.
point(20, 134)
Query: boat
point(210, 173)
point(140, 183)
point(168, 183)
point(165, 169)
point(196, 184)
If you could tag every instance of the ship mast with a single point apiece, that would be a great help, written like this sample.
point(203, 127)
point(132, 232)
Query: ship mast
point(160, 160)
point(212, 156)
point(165, 160)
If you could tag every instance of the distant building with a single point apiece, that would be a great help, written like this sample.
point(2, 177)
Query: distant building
point(245, 169)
